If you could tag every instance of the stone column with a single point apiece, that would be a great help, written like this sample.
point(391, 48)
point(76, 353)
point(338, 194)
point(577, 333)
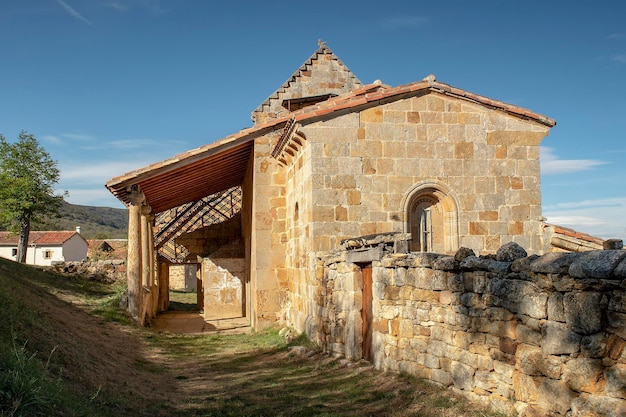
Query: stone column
point(133, 272)
point(146, 232)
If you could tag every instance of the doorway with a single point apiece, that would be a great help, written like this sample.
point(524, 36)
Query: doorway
point(366, 312)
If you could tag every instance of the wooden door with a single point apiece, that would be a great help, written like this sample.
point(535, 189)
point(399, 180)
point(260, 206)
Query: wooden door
point(366, 312)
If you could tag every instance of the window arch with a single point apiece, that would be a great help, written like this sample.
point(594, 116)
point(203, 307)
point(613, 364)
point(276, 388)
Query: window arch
point(431, 216)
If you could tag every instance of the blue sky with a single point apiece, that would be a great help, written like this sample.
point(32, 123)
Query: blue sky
point(109, 86)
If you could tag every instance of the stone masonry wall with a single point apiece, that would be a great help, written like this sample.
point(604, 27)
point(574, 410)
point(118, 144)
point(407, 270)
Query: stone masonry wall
point(366, 165)
point(528, 335)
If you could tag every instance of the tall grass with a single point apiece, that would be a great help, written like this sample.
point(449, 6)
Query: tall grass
point(25, 386)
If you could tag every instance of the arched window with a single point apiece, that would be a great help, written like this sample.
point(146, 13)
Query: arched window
point(431, 218)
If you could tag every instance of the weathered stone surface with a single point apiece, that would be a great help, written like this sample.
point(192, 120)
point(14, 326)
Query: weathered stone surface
point(510, 252)
point(446, 263)
point(486, 380)
point(584, 375)
point(594, 345)
point(520, 297)
point(485, 264)
point(523, 264)
point(587, 405)
point(596, 264)
point(613, 244)
point(582, 312)
point(616, 381)
point(555, 396)
point(553, 263)
point(620, 270)
point(557, 339)
point(556, 312)
point(463, 253)
point(461, 375)
point(525, 387)
point(617, 302)
point(532, 361)
point(617, 323)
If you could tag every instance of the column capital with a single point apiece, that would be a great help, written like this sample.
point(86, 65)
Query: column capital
point(135, 195)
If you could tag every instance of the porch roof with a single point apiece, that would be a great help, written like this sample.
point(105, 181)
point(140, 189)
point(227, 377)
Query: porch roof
point(221, 165)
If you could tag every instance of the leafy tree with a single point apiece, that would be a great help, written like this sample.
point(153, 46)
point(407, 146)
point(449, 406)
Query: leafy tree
point(27, 179)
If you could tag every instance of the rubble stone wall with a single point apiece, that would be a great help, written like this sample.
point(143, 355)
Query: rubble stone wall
point(104, 270)
point(527, 335)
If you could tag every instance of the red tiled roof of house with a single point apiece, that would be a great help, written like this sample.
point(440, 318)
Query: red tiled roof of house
point(38, 237)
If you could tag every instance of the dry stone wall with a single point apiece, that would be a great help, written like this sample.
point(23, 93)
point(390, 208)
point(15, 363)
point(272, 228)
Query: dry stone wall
point(528, 335)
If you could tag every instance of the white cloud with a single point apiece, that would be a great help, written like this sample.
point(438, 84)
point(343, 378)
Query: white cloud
point(551, 164)
point(603, 217)
point(98, 173)
point(73, 12)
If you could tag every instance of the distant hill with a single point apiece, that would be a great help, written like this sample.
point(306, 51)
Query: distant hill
point(94, 222)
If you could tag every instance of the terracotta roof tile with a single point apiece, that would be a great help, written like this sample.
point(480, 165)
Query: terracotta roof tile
point(39, 237)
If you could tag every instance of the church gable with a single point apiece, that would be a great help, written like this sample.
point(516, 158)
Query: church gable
point(321, 77)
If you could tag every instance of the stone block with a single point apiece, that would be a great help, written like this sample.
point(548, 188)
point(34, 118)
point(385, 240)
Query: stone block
point(582, 312)
point(594, 346)
point(616, 381)
point(532, 361)
point(555, 396)
point(462, 375)
point(556, 311)
point(616, 323)
point(442, 377)
point(558, 339)
point(597, 264)
point(486, 380)
point(525, 388)
point(587, 405)
point(584, 375)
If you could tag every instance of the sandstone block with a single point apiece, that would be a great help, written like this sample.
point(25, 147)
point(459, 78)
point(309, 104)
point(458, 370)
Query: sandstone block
point(442, 377)
point(556, 311)
point(616, 381)
point(582, 312)
point(557, 339)
point(462, 375)
point(596, 264)
point(486, 381)
point(555, 396)
point(584, 374)
point(520, 297)
point(617, 323)
point(510, 252)
point(525, 388)
point(594, 346)
point(587, 405)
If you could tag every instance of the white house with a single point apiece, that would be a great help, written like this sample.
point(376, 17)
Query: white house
point(46, 247)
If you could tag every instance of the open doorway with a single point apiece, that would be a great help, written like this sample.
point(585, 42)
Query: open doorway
point(185, 288)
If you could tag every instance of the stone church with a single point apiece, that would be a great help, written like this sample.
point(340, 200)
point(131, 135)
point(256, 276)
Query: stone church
point(427, 166)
